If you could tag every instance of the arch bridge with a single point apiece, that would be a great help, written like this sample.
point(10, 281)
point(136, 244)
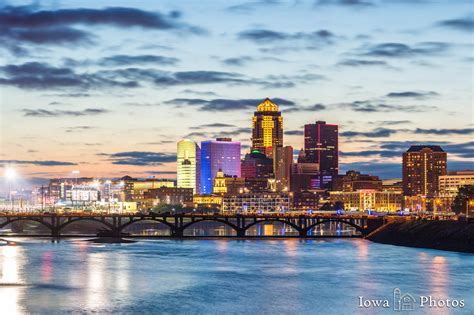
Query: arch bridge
point(115, 224)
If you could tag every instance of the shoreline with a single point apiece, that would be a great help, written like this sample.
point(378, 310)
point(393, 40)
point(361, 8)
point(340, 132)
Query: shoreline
point(455, 236)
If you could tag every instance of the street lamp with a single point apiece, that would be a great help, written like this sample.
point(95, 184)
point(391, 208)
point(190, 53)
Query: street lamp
point(10, 175)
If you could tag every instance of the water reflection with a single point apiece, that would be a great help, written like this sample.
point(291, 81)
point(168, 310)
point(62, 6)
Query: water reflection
point(11, 288)
point(96, 280)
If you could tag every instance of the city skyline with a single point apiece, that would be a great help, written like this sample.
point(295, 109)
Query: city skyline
point(117, 104)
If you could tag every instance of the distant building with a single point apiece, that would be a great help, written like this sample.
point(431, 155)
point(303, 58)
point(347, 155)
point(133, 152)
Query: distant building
point(227, 185)
point(422, 166)
point(282, 164)
point(321, 145)
point(307, 200)
point(368, 199)
point(207, 201)
point(256, 165)
point(256, 202)
point(84, 194)
point(224, 154)
point(188, 165)
point(354, 180)
point(61, 188)
point(169, 196)
point(305, 176)
point(134, 189)
point(449, 184)
point(267, 128)
point(257, 185)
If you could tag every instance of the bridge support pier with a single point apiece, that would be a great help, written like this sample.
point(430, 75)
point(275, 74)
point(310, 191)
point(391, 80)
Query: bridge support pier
point(241, 233)
point(176, 232)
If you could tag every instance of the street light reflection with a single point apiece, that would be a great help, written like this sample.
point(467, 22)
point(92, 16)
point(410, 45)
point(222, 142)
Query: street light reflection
point(10, 286)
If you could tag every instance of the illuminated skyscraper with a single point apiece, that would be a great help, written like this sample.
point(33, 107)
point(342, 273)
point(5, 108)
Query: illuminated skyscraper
point(188, 165)
point(321, 146)
point(224, 154)
point(422, 166)
point(267, 127)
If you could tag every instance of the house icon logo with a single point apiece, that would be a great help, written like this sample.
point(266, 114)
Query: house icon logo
point(403, 302)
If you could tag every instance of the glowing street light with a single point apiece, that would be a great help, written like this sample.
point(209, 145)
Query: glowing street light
point(10, 173)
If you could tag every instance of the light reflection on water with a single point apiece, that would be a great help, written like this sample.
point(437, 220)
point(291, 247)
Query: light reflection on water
point(287, 276)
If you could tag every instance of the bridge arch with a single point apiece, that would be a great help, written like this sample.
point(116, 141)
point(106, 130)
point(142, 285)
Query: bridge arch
point(230, 224)
point(357, 227)
point(68, 222)
point(132, 221)
point(293, 225)
point(9, 221)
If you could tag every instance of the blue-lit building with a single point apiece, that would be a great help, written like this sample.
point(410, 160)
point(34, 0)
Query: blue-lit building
point(223, 153)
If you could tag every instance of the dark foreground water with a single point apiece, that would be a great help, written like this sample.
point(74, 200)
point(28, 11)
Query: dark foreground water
point(286, 276)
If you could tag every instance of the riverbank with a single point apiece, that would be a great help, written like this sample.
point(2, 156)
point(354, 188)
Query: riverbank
point(444, 235)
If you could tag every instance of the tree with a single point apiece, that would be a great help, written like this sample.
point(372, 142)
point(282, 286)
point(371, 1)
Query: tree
point(465, 194)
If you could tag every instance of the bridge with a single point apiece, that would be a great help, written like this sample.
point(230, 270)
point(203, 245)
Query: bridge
point(115, 224)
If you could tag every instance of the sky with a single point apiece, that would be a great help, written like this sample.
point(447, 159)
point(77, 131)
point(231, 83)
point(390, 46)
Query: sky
point(109, 87)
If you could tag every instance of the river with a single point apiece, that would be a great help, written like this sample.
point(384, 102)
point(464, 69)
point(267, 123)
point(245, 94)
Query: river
point(211, 276)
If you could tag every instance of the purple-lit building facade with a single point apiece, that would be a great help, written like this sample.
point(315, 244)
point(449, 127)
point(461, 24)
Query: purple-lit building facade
point(222, 153)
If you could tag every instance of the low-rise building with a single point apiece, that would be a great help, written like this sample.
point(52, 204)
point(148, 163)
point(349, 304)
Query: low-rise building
point(169, 196)
point(257, 202)
point(450, 184)
point(369, 199)
point(227, 185)
point(207, 201)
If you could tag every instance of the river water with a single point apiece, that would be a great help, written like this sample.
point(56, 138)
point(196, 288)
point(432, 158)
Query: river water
point(211, 276)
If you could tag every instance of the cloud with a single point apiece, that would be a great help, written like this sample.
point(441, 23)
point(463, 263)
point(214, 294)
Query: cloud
point(375, 167)
point(374, 106)
point(361, 63)
point(294, 132)
point(31, 25)
point(465, 24)
point(367, 153)
point(62, 113)
point(394, 122)
point(412, 94)
point(465, 131)
point(348, 3)
point(463, 150)
point(244, 60)
point(312, 108)
point(79, 128)
point(42, 76)
point(238, 61)
point(214, 125)
point(249, 7)
point(399, 50)
point(225, 104)
point(377, 133)
point(36, 75)
point(123, 60)
point(140, 158)
point(37, 163)
point(311, 40)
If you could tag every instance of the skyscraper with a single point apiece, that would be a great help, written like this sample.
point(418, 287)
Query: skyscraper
point(321, 146)
point(267, 127)
point(188, 165)
point(282, 164)
point(224, 154)
point(422, 166)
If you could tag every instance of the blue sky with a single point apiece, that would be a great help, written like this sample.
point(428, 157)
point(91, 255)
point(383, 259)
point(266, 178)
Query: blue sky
point(109, 87)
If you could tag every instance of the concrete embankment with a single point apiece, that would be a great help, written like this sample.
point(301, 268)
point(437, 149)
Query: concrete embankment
point(444, 235)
